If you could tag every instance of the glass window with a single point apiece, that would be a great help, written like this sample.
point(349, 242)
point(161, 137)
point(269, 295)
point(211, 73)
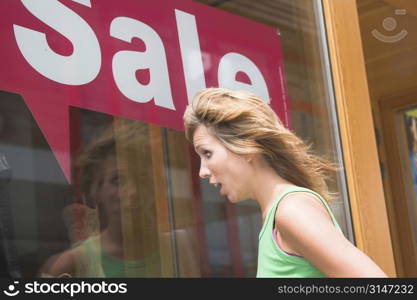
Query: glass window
point(232, 231)
point(34, 192)
point(135, 206)
point(407, 142)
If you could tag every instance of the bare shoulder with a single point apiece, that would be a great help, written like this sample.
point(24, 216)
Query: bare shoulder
point(303, 222)
point(306, 228)
point(59, 265)
point(301, 208)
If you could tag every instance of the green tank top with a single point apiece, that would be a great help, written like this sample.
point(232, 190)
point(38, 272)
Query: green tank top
point(272, 260)
point(91, 261)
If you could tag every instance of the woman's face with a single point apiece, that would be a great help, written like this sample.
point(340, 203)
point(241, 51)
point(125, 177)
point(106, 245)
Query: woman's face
point(112, 188)
point(229, 171)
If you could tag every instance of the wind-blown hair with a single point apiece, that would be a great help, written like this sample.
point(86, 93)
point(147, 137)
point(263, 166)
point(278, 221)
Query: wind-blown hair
point(245, 124)
point(128, 138)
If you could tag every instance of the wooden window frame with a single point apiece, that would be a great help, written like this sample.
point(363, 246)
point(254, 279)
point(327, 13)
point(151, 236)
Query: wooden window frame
point(363, 175)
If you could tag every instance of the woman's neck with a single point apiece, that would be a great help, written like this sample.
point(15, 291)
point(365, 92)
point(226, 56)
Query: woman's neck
point(267, 185)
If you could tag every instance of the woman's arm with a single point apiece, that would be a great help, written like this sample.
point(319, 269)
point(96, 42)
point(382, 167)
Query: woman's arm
point(306, 228)
point(59, 265)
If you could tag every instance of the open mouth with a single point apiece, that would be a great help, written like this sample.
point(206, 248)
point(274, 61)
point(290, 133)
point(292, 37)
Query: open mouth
point(221, 190)
point(218, 186)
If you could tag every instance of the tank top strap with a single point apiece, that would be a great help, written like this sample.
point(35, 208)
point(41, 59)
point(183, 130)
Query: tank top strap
point(270, 217)
point(320, 197)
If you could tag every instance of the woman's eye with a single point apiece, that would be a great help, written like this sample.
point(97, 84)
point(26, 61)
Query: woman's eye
point(118, 179)
point(114, 179)
point(207, 153)
point(121, 180)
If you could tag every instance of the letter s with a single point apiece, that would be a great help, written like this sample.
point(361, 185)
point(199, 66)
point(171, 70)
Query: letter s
point(82, 66)
point(29, 288)
point(123, 288)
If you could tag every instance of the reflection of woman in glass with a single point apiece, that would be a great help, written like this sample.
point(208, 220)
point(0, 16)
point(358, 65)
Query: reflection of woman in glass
point(110, 185)
point(247, 153)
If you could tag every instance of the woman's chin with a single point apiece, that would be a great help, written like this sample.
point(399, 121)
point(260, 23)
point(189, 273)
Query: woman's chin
point(231, 199)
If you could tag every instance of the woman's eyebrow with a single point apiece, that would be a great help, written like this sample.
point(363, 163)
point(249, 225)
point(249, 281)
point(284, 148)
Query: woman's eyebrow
point(198, 146)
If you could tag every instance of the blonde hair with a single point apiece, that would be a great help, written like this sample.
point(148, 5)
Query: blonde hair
point(129, 135)
point(245, 124)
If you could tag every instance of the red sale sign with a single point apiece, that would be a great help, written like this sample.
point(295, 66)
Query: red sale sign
point(137, 59)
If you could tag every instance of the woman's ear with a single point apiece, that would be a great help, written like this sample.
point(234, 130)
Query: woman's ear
point(249, 157)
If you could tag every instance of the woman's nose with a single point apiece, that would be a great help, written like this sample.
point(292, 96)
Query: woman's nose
point(204, 171)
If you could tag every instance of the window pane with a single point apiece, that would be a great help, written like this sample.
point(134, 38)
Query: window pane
point(112, 218)
point(406, 132)
point(135, 206)
point(232, 231)
point(33, 192)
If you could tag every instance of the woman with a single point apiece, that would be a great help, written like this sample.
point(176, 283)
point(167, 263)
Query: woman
point(115, 177)
point(247, 152)
point(109, 185)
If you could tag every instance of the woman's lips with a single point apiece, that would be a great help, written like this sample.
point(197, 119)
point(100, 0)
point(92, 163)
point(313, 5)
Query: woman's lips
point(222, 192)
point(221, 189)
